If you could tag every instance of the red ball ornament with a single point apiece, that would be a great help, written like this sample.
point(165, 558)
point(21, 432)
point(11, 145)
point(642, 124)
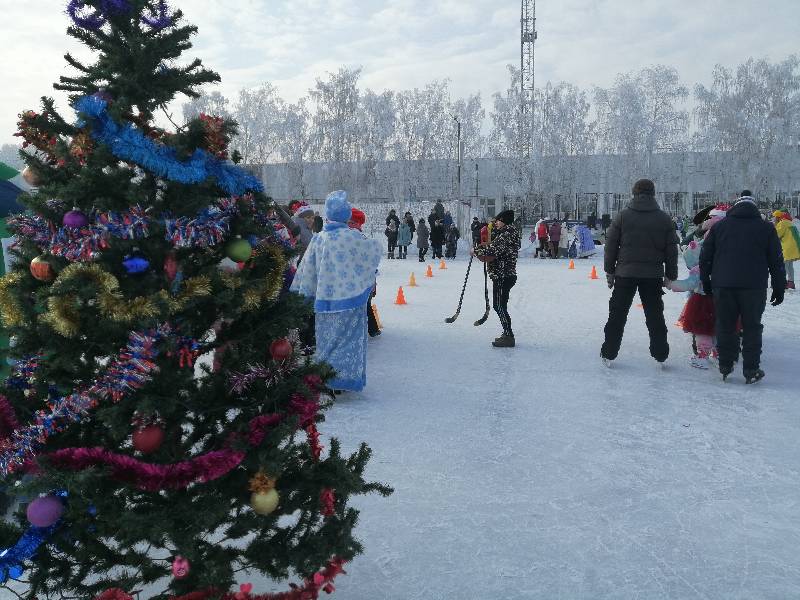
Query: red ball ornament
point(148, 439)
point(280, 349)
point(42, 270)
point(171, 267)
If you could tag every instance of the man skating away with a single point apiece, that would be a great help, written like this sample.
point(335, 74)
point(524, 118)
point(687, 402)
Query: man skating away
point(501, 254)
point(641, 249)
point(475, 228)
point(738, 254)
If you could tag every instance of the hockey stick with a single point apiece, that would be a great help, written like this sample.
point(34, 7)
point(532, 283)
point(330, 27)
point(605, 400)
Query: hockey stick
point(461, 299)
point(485, 316)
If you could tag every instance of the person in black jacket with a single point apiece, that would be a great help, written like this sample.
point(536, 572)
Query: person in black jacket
point(737, 255)
point(393, 218)
point(475, 228)
point(641, 251)
point(437, 239)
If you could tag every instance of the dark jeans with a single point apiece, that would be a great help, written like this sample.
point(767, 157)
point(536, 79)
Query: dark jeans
point(650, 293)
point(403, 251)
point(392, 244)
point(501, 289)
point(422, 253)
point(732, 304)
point(437, 250)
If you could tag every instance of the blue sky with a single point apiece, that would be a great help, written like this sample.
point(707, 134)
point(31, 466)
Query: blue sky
point(405, 43)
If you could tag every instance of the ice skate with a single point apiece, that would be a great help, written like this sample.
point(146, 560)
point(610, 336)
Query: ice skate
point(700, 362)
point(755, 376)
point(607, 362)
point(506, 341)
point(725, 370)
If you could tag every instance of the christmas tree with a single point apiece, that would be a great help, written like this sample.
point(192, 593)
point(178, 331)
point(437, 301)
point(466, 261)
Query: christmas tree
point(132, 467)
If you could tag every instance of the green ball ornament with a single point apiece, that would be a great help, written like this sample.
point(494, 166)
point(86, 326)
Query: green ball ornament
point(239, 250)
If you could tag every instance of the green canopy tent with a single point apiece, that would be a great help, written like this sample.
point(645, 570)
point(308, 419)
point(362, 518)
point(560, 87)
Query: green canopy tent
point(11, 185)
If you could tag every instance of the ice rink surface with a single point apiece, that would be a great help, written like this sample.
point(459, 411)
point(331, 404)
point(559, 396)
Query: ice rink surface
point(535, 472)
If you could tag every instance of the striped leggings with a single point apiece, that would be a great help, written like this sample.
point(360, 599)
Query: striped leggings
point(500, 293)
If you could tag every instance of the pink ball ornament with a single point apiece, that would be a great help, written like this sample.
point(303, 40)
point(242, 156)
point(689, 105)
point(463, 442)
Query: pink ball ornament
point(75, 219)
point(45, 511)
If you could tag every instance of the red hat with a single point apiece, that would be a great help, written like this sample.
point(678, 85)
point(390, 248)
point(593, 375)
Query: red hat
point(358, 218)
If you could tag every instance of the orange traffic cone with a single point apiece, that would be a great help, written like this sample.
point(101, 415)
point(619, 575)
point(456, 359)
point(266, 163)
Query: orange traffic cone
point(594, 273)
point(429, 272)
point(442, 265)
point(571, 265)
point(412, 282)
point(401, 298)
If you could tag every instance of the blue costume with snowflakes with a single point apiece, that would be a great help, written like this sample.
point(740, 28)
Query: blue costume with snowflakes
point(338, 273)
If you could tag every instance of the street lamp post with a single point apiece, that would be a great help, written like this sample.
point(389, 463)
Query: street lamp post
point(458, 171)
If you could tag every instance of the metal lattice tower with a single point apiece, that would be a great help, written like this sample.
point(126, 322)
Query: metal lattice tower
point(528, 37)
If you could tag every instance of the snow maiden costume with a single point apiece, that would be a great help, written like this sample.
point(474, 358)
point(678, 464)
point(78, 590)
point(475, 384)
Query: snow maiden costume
point(698, 316)
point(338, 274)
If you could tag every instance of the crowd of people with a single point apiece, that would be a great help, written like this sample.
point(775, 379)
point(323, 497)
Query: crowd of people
point(731, 254)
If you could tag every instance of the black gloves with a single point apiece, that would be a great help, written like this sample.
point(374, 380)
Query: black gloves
point(707, 289)
point(610, 280)
point(777, 296)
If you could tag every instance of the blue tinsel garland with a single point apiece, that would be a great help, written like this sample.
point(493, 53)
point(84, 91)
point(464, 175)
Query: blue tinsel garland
point(128, 143)
point(11, 559)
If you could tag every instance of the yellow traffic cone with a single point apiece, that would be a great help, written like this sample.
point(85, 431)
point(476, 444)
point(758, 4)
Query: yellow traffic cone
point(412, 282)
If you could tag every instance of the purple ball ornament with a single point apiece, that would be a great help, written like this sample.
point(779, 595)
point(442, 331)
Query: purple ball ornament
point(75, 219)
point(45, 511)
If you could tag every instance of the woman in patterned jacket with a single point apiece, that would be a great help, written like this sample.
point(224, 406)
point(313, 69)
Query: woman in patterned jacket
point(501, 256)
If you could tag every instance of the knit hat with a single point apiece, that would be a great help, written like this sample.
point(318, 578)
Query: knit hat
point(746, 194)
point(507, 217)
point(358, 218)
point(720, 210)
point(644, 187)
point(337, 208)
point(303, 210)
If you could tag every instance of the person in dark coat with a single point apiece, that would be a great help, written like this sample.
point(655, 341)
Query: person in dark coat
point(641, 250)
point(452, 237)
point(393, 218)
point(391, 236)
point(411, 225)
point(554, 234)
point(737, 256)
point(501, 255)
point(437, 239)
point(432, 218)
point(438, 209)
point(475, 228)
point(422, 239)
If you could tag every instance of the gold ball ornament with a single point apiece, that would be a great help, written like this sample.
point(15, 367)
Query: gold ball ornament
point(265, 503)
point(31, 177)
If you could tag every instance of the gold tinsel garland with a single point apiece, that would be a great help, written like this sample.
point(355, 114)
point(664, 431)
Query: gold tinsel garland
point(63, 313)
point(269, 288)
point(11, 312)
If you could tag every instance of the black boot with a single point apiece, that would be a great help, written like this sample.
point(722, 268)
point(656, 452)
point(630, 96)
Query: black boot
point(505, 341)
point(753, 376)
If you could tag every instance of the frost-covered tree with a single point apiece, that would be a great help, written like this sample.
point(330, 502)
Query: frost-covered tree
point(641, 114)
point(259, 114)
point(505, 134)
point(376, 124)
point(208, 104)
point(752, 116)
point(9, 154)
point(294, 142)
point(471, 114)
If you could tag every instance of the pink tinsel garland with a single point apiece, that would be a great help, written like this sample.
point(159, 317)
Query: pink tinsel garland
point(321, 581)
point(152, 477)
point(8, 420)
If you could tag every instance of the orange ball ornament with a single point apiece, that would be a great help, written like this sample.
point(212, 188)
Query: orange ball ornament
point(280, 349)
point(31, 177)
point(42, 270)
